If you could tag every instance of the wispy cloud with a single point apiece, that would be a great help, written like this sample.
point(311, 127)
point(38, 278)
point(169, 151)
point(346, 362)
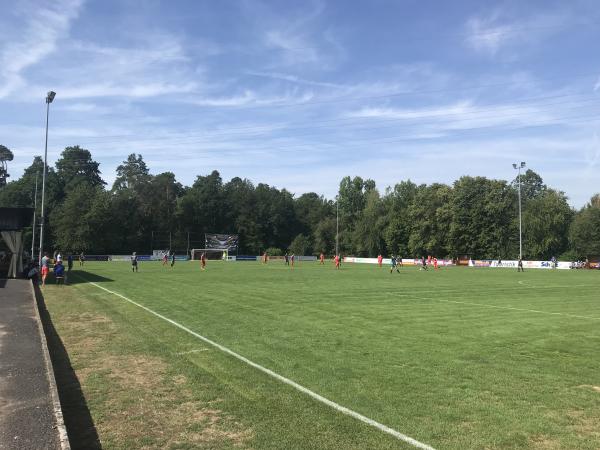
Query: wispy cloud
point(249, 98)
point(155, 65)
point(486, 35)
point(43, 27)
point(499, 29)
point(463, 115)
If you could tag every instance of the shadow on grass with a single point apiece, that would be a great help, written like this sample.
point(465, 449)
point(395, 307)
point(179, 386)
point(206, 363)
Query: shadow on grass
point(78, 277)
point(78, 420)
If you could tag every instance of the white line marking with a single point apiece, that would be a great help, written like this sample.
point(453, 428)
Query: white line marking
point(281, 378)
point(518, 309)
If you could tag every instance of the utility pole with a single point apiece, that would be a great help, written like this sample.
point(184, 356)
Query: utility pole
point(49, 99)
point(519, 167)
point(337, 224)
point(34, 210)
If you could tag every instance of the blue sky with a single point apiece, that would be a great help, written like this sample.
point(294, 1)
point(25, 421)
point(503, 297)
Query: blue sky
point(300, 94)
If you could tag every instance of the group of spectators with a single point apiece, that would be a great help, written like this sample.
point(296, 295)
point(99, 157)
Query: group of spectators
point(33, 272)
point(584, 264)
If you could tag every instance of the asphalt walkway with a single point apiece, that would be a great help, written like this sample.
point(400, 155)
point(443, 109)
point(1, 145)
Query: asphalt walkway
point(27, 417)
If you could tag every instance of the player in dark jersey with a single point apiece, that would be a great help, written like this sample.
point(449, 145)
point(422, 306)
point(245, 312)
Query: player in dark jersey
point(134, 262)
point(520, 265)
point(172, 259)
point(394, 264)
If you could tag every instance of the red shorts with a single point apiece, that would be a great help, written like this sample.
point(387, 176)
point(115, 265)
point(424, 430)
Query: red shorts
point(44, 270)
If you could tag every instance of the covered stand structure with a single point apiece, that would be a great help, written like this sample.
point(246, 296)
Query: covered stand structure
point(12, 222)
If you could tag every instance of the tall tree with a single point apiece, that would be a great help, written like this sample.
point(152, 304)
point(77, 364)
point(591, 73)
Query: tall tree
point(368, 234)
point(131, 173)
point(430, 217)
point(351, 199)
point(546, 221)
point(5, 156)
point(532, 185)
point(397, 231)
point(76, 166)
point(482, 218)
point(584, 233)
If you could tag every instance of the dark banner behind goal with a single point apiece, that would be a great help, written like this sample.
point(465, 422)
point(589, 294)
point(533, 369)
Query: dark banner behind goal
point(227, 242)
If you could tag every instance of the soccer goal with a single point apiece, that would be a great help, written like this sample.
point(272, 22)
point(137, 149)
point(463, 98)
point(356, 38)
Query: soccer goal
point(211, 253)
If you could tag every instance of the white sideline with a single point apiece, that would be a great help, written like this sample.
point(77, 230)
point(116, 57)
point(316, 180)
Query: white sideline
point(281, 378)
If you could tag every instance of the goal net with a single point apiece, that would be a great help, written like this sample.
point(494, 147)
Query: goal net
point(211, 253)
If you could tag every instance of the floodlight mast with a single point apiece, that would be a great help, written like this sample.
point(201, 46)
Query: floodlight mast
point(337, 224)
point(49, 98)
point(519, 167)
point(34, 211)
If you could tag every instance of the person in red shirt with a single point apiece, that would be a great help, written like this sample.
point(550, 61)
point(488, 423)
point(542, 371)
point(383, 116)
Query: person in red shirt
point(203, 261)
point(322, 258)
point(337, 261)
point(435, 263)
point(380, 260)
point(164, 259)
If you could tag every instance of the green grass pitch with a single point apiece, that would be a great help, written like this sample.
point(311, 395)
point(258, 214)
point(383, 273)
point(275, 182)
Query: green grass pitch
point(458, 358)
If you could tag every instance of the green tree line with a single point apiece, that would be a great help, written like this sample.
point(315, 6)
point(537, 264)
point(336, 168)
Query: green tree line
point(474, 216)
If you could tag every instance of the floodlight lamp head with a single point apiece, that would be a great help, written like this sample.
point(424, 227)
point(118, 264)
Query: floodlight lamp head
point(50, 96)
point(522, 164)
point(514, 166)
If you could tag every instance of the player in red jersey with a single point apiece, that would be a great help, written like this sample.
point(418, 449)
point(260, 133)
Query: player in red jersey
point(165, 259)
point(435, 266)
point(380, 260)
point(337, 261)
point(322, 258)
point(203, 261)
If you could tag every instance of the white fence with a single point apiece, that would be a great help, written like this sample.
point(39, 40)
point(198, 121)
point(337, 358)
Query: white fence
point(388, 261)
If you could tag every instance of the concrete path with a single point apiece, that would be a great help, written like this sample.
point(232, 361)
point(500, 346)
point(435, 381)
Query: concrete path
point(27, 406)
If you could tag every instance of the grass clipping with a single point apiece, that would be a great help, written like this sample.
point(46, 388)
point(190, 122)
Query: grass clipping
point(135, 400)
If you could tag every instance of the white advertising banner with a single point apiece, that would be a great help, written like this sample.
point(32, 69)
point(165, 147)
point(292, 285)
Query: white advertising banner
point(526, 264)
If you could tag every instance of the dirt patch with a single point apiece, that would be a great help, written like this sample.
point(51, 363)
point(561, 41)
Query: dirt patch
point(146, 403)
point(544, 442)
point(138, 401)
point(585, 426)
point(136, 372)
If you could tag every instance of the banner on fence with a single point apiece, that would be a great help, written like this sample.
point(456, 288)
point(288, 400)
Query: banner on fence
point(514, 264)
point(227, 242)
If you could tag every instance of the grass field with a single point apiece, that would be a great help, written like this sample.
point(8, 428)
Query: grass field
point(457, 359)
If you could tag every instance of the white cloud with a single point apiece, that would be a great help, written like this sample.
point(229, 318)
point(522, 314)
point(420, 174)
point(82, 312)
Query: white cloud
point(37, 39)
point(485, 36)
point(498, 30)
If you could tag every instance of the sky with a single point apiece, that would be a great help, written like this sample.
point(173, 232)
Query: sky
point(300, 94)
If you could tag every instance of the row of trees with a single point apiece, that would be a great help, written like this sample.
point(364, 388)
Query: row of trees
point(474, 216)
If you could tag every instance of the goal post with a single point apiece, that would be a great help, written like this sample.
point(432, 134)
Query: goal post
point(211, 253)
